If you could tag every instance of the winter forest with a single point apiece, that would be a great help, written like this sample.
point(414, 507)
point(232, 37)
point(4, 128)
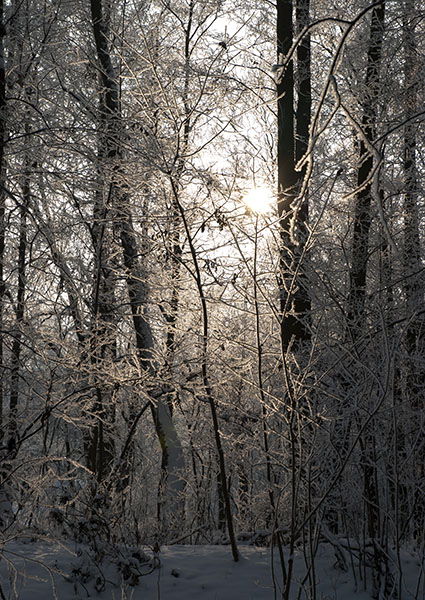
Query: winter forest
point(212, 277)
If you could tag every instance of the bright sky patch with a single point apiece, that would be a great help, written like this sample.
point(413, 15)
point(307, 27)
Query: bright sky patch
point(259, 200)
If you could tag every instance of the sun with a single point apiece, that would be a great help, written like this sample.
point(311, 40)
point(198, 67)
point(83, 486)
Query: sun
point(259, 200)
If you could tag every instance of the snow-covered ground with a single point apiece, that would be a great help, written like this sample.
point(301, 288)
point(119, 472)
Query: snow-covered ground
point(42, 570)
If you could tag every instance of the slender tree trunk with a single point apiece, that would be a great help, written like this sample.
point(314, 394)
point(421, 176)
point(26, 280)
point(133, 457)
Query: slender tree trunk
point(223, 486)
point(356, 303)
point(4, 471)
point(414, 286)
point(362, 207)
point(100, 440)
point(3, 129)
point(15, 368)
point(293, 209)
point(262, 398)
point(360, 249)
point(292, 141)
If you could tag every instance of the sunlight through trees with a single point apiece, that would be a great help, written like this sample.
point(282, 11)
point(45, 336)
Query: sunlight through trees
point(212, 278)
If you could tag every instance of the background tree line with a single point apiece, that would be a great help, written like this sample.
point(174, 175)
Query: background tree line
point(173, 364)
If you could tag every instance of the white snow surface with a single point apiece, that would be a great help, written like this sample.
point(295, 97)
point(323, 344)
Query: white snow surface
point(32, 569)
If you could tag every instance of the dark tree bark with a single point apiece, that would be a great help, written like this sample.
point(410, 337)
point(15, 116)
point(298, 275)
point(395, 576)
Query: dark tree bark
point(295, 306)
point(15, 366)
point(356, 303)
point(100, 440)
point(303, 112)
point(292, 143)
point(362, 206)
point(4, 470)
point(414, 277)
point(3, 130)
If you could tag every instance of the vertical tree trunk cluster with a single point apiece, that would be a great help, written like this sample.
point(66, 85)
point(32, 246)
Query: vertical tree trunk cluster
point(119, 200)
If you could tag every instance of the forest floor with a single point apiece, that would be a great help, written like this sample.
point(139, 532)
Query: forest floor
point(39, 569)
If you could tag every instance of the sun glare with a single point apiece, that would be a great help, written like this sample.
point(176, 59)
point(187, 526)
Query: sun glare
point(259, 200)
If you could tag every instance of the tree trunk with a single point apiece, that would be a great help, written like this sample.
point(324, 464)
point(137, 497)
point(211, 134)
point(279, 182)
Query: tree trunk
point(3, 129)
point(172, 454)
point(293, 209)
point(100, 440)
point(292, 141)
point(362, 207)
point(413, 285)
point(356, 303)
point(4, 504)
point(15, 367)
